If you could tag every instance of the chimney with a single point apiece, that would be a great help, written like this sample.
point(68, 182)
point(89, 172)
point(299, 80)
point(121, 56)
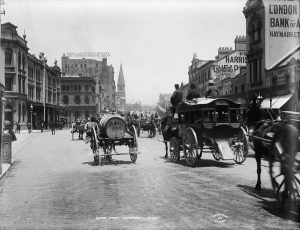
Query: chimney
point(240, 43)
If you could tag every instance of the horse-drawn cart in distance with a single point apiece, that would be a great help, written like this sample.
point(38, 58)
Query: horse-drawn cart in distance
point(206, 124)
point(114, 132)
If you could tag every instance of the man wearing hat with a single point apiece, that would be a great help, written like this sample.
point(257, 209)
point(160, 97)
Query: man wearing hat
point(176, 97)
point(212, 90)
point(193, 92)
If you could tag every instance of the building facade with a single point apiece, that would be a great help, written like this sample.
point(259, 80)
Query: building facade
point(98, 70)
point(79, 97)
point(25, 84)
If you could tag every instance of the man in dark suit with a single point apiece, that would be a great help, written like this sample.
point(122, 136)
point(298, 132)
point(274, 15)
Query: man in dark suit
point(193, 92)
point(176, 98)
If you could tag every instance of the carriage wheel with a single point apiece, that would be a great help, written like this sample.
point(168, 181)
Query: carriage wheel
point(215, 152)
point(174, 150)
point(240, 148)
point(133, 149)
point(285, 167)
point(190, 146)
point(107, 150)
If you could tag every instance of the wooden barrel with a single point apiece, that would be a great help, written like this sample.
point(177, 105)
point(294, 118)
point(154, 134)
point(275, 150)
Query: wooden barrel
point(112, 126)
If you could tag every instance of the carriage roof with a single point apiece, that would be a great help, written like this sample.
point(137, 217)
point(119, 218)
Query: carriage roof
point(206, 103)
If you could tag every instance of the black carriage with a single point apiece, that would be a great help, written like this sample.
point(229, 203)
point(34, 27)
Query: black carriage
point(147, 124)
point(207, 125)
point(114, 132)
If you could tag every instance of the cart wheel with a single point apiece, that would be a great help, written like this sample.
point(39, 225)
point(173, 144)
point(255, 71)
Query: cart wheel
point(215, 152)
point(285, 167)
point(133, 149)
point(240, 148)
point(190, 146)
point(174, 150)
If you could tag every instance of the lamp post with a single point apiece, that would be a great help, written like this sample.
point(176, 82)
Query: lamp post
point(44, 60)
point(31, 109)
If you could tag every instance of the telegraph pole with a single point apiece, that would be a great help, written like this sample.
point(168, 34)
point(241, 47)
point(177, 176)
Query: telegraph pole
point(44, 60)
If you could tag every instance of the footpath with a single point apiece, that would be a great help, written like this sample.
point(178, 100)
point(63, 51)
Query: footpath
point(21, 137)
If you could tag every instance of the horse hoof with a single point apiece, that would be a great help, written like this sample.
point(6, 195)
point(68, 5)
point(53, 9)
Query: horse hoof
point(257, 187)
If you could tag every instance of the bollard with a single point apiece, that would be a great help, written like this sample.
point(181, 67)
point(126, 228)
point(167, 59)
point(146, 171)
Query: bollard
point(6, 152)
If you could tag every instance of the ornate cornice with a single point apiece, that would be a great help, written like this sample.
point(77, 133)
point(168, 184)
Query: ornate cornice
point(252, 6)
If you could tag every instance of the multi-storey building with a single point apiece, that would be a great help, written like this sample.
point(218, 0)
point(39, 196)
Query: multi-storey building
point(100, 71)
point(25, 84)
point(273, 54)
point(79, 96)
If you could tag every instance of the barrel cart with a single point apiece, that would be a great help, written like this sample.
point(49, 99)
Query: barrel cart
point(208, 125)
point(114, 132)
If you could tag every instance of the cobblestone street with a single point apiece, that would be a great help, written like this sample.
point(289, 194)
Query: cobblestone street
point(54, 184)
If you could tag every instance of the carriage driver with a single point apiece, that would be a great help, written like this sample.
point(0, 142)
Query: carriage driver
point(89, 127)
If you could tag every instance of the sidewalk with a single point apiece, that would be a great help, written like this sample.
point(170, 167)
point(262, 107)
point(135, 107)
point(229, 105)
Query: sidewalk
point(20, 138)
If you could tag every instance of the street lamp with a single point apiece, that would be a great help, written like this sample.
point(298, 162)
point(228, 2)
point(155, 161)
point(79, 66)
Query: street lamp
point(31, 109)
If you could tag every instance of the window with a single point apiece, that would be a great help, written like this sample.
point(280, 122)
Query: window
point(77, 99)
point(274, 81)
point(19, 113)
point(38, 94)
point(8, 57)
point(63, 87)
point(86, 88)
point(8, 84)
point(86, 99)
point(254, 29)
point(23, 112)
point(30, 92)
point(23, 62)
point(19, 60)
point(287, 79)
point(65, 99)
point(20, 84)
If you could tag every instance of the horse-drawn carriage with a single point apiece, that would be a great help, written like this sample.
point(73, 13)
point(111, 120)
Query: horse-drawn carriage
point(148, 124)
point(277, 139)
point(206, 124)
point(114, 132)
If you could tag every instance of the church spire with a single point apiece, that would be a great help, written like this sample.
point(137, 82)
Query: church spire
point(121, 81)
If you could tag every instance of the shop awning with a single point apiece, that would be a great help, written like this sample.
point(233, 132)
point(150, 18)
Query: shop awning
point(277, 101)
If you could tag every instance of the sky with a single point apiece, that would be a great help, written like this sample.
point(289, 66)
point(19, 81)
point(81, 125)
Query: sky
point(153, 40)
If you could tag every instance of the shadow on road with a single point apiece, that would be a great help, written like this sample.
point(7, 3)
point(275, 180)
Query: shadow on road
point(267, 201)
point(112, 162)
point(202, 163)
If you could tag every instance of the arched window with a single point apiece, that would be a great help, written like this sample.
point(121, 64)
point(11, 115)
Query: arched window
point(71, 87)
point(79, 88)
point(65, 99)
point(63, 87)
point(254, 29)
point(67, 88)
point(77, 99)
point(86, 99)
point(86, 87)
point(8, 57)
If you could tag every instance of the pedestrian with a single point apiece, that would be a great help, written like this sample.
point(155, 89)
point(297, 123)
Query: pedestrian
point(18, 127)
point(193, 92)
point(42, 126)
point(52, 124)
point(176, 98)
point(212, 90)
point(29, 127)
